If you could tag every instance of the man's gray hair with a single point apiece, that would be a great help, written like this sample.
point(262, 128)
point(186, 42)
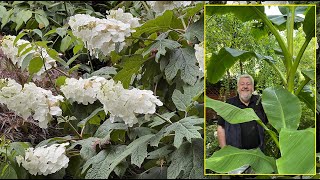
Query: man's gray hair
point(245, 76)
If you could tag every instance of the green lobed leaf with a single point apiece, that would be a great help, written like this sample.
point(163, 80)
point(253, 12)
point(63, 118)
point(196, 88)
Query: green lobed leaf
point(35, 65)
point(184, 128)
point(226, 58)
point(189, 159)
point(184, 100)
point(297, 149)
point(161, 23)
point(87, 147)
point(231, 113)
point(229, 158)
point(281, 107)
point(160, 153)
point(131, 66)
point(191, 11)
point(103, 170)
point(183, 59)
point(160, 44)
point(153, 173)
point(158, 121)
point(195, 31)
point(139, 154)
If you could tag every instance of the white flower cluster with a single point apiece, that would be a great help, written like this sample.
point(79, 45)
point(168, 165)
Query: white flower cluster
point(122, 103)
point(11, 52)
point(82, 90)
point(159, 7)
point(30, 101)
point(44, 160)
point(200, 55)
point(103, 34)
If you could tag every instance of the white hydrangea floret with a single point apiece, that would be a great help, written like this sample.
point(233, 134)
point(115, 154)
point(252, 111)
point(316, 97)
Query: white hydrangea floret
point(199, 53)
point(29, 101)
point(82, 90)
point(103, 34)
point(44, 160)
point(159, 7)
point(12, 52)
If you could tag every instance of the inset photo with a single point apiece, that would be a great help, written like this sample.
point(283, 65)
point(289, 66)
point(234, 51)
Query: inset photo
point(260, 90)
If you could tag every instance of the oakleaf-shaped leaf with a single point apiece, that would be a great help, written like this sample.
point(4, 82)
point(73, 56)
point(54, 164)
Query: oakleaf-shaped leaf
point(226, 58)
point(131, 66)
point(160, 44)
point(281, 107)
point(183, 128)
point(158, 121)
point(189, 159)
point(183, 59)
point(195, 31)
point(103, 170)
point(160, 153)
point(139, 154)
point(87, 147)
point(231, 113)
point(297, 147)
point(229, 158)
point(160, 23)
point(184, 100)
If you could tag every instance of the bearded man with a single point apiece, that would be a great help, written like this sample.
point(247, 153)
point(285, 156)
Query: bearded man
point(248, 135)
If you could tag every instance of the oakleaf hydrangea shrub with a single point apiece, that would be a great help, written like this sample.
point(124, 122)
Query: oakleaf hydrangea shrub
point(133, 115)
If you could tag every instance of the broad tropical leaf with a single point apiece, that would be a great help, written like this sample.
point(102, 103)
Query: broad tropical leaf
point(189, 159)
point(297, 151)
point(281, 107)
point(309, 23)
point(230, 158)
point(231, 113)
point(226, 58)
point(308, 98)
point(244, 13)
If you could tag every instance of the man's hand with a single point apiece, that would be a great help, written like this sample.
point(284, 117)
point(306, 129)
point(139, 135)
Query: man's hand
point(221, 136)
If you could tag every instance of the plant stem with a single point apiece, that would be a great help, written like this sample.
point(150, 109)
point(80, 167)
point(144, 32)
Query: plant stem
point(290, 26)
point(89, 59)
point(72, 127)
point(296, 64)
point(270, 132)
point(287, 57)
point(168, 120)
point(183, 23)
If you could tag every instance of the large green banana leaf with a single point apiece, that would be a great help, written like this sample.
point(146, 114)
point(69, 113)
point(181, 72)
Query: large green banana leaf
point(281, 107)
point(230, 113)
point(297, 151)
point(226, 58)
point(230, 158)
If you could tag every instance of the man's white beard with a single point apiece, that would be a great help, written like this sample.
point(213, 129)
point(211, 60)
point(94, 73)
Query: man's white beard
point(245, 97)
